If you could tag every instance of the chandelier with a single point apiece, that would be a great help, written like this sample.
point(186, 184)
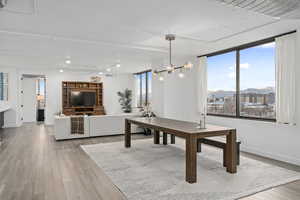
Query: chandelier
point(170, 68)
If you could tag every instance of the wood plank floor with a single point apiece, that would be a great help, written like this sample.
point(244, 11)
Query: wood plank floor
point(33, 166)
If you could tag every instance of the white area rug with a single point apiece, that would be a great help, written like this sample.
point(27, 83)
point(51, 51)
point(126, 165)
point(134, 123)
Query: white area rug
point(157, 172)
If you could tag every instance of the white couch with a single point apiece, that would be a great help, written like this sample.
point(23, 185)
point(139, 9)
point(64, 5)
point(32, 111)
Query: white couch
point(97, 125)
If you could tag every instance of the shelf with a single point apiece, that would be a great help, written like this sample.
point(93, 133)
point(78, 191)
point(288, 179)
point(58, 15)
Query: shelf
point(67, 88)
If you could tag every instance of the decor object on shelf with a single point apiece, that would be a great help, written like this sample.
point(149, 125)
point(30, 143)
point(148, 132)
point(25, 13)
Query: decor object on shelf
point(95, 79)
point(125, 100)
point(172, 67)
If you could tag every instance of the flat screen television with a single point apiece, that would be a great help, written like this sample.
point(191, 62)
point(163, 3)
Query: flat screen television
point(81, 98)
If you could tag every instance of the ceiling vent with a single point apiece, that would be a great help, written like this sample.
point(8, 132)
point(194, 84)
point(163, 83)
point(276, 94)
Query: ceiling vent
point(274, 8)
point(3, 3)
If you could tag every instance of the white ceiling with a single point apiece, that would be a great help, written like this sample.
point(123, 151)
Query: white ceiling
point(96, 34)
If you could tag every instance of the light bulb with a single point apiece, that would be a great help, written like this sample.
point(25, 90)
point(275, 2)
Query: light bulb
point(189, 65)
point(68, 61)
point(161, 78)
point(108, 69)
point(61, 70)
point(118, 65)
point(100, 73)
point(169, 67)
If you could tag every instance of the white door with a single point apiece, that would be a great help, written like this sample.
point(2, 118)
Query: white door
point(29, 99)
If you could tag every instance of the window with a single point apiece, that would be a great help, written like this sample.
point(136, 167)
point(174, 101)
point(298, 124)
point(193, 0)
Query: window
point(221, 84)
point(241, 82)
point(3, 86)
point(143, 88)
point(40, 92)
point(257, 81)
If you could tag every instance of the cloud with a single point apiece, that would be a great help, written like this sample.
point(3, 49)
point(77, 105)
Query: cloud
point(268, 45)
point(245, 66)
point(231, 75)
point(231, 68)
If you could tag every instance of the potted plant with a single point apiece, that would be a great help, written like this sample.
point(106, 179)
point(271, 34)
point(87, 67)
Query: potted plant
point(125, 100)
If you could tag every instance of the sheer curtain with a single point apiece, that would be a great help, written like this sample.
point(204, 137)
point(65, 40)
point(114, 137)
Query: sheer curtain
point(285, 79)
point(202, 85)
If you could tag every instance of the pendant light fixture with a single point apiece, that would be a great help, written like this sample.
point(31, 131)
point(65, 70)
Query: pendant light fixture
point(171, 67)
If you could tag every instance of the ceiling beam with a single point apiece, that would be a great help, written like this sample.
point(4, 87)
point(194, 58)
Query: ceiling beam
point(84, 41)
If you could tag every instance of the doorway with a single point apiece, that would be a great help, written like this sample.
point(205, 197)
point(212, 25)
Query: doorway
point(33, 98)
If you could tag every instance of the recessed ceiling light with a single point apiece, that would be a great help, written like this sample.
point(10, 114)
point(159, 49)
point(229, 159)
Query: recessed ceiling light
point(108, 69)
point(118, 65)
point(181, 75)
point(161, 78)
point(100, 73)
point(68, 61)
point(61, 70)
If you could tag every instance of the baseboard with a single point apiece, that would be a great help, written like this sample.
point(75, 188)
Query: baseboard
point(11, 125)
point(283, 158)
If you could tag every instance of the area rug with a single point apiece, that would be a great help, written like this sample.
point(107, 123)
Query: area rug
point(157, 172)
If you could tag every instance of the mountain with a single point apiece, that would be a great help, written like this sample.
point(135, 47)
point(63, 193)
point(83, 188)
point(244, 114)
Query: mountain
point(222, 93)
point(266, 90)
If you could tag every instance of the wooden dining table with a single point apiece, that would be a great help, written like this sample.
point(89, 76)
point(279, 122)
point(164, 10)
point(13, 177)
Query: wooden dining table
point(191, 133)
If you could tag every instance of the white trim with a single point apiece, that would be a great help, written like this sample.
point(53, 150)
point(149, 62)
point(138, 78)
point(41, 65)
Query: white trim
point(11, 125)
point(279, 157)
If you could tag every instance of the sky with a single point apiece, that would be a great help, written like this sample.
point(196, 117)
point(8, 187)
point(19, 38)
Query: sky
point(257, 69)
point(42, 87)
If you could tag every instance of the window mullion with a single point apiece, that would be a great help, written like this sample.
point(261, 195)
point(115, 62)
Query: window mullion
point(146, 100)
point(141, 89)
point(238, 83)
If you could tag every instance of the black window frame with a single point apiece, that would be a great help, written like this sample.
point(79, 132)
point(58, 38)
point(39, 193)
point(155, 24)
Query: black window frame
point(139, 103)
point(237, 52)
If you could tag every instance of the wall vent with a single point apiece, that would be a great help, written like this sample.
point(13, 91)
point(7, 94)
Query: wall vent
point(274, 8)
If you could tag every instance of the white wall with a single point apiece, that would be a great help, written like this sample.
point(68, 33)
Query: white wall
point(53, 92)
point(268, 139)
point(157, 103)
point(112, 85)
point(29, 100)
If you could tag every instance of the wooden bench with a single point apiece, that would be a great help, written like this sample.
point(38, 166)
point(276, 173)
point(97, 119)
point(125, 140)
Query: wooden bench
point(219, 142)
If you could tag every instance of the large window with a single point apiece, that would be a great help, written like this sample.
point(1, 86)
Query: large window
point(241, 82)
point(143, 88)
